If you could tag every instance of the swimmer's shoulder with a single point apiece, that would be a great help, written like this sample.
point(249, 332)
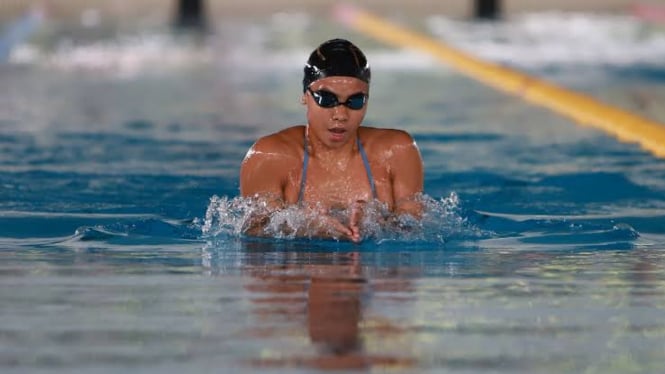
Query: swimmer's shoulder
point(374, 137)
point(285, 143)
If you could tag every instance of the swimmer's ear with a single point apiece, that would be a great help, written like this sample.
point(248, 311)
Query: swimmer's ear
point(302, 99)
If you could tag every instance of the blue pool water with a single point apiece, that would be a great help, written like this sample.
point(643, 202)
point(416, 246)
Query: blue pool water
point(543, 249)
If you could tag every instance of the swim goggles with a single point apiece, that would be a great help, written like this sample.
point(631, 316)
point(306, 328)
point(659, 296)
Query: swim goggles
point(327, 99)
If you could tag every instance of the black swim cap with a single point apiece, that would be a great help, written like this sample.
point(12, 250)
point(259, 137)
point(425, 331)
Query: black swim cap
point(336, 57)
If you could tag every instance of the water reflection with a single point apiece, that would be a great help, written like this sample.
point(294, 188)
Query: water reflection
point(334, 307)
point(323, 296)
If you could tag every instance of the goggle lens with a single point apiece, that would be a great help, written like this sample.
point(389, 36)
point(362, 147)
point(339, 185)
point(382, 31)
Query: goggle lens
point(327, 99)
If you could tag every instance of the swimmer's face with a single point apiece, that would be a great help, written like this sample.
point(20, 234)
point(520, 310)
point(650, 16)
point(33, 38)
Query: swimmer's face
point(337, 125)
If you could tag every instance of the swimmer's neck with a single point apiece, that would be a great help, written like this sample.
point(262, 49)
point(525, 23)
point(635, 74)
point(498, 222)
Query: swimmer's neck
point(320, 150)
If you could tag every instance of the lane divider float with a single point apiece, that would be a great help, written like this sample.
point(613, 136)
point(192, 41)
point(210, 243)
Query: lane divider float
point(583, 109)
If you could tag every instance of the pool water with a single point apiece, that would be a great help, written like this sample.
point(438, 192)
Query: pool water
point(543, 249)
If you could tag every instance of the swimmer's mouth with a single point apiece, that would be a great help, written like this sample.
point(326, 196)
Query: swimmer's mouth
point(337, 130)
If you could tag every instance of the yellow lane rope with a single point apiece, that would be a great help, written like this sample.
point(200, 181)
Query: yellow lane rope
point(582, 108)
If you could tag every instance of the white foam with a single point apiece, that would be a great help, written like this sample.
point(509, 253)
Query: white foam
point(556, 38)
point(124, 57)
point(529, 40)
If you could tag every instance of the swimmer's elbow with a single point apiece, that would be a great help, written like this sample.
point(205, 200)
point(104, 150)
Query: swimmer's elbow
point(410, 206)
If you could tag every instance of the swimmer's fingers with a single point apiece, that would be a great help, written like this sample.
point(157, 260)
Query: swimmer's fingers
point(355, 219)
point(336, 229)
point(357, 211)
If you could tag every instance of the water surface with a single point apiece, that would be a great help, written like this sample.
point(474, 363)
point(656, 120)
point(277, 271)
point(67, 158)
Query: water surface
point(542, 252)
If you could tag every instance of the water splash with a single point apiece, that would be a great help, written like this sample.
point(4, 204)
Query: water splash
point(443, 220)
point(225, 217)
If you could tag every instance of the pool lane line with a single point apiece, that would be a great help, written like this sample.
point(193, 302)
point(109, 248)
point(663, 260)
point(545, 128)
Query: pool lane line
point(583, 109)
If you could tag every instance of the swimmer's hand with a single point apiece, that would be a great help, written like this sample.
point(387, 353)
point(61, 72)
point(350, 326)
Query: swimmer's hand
point(267, 219)
point(332, 225)
point(356, 216)
point(328, 226)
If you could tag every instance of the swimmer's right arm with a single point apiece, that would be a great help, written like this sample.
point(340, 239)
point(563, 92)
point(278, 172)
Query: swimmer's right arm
point(262, 178)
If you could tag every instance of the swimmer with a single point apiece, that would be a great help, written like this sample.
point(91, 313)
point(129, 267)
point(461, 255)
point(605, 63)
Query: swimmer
point(333, 163)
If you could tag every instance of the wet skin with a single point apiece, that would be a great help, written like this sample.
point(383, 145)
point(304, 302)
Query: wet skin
point(336, 177)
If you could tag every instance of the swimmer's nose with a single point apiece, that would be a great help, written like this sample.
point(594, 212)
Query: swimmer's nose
point(340, 113)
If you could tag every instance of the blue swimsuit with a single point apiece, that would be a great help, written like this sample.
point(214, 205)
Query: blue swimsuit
point(305, 162)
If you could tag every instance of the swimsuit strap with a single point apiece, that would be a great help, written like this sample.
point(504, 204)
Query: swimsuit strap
point(303, 177)
point(363, 155)
point(367, 168)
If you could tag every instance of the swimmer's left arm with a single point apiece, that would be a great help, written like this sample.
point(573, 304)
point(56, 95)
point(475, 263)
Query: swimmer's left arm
point(407, 176)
